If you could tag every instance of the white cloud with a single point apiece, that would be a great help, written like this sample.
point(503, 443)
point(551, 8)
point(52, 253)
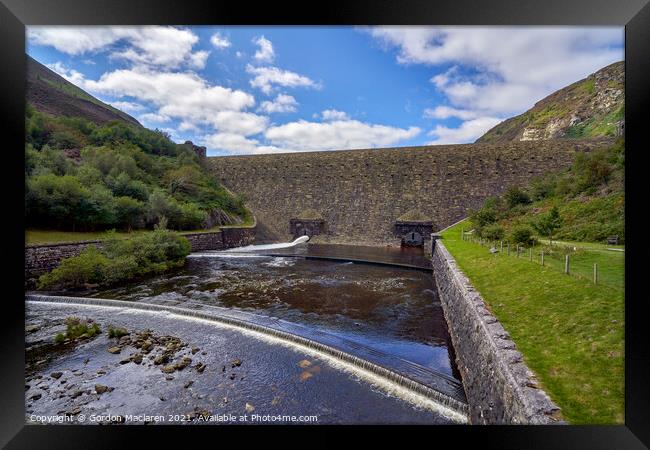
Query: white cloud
point(73, 76)
point(468, 131)
point(161, 46)
point(508, 68)
point(445, 112)
point(237, 144)
point(219, 41)
point(497, 72)
point(281, 104)
point(265, 53)
point(242, 123)
point(153, 117)
point(266, 77)
point(336, 135)
point(128, 106)
point(333, 114)
point(185, 96)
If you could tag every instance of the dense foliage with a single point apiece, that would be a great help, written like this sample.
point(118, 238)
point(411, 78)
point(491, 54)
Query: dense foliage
point(584, 203)
point(80, 176)
point(119, 260)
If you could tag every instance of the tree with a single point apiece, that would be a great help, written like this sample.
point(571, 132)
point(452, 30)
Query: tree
point(549, 223)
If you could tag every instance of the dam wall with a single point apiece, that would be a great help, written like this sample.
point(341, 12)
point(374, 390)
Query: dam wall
point(360, 194)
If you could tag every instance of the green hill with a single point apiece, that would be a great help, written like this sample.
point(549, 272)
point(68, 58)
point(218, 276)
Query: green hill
point(50, 93)
point(90, 167)
point(592, 107)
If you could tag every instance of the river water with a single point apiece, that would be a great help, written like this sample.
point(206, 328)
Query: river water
point(391, 309)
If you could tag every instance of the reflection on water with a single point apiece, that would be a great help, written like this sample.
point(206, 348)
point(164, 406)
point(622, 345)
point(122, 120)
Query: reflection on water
point(394, 310)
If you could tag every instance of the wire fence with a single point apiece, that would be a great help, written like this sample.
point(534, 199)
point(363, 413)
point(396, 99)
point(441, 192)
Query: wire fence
point(598, 266)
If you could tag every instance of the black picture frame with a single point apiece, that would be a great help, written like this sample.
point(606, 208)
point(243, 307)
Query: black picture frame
point(633, 14)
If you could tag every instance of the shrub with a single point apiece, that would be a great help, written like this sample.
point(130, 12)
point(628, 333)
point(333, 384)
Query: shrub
point(89, 267)
point(77, 328)
point(522, 235)
point(493, 232)
point(515, 196)
point(549, 223)
point(116, 332)
point(120, 260)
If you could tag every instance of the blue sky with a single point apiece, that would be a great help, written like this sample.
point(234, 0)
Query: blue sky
point(244, 90)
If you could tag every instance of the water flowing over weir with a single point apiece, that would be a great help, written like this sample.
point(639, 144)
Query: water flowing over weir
point(438, 388)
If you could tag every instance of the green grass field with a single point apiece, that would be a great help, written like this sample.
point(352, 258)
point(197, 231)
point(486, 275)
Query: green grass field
point(570, 331)
point(582, 257)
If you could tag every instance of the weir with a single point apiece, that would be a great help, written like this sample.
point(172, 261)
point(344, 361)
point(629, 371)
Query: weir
point(439, 388)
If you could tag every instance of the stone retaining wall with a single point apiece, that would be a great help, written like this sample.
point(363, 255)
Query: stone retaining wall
point(500, 388)
point(40, 259)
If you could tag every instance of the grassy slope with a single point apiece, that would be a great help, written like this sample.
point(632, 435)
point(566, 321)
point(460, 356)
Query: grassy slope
point(570, 331)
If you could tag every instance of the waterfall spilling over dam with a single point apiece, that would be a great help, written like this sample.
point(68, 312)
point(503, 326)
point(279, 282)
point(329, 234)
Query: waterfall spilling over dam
point(360, 194)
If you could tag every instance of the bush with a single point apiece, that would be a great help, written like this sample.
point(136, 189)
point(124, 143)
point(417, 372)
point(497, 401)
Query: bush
point(515, 196)
point(77, 328)
point(120, 260)
point(493, 232)
point(89, 267)
point(522, 235)
point(116, 332)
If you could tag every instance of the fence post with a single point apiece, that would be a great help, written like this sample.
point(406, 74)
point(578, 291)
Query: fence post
point(542, 257)
point(530, 251)
point(566, 264)
point(508, 248)
point(517, 250)
point(595, 273)
point(462, 234)
point(501, 250)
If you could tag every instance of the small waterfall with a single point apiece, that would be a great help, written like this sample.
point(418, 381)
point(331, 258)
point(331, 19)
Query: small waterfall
point(448, 405)
point(254, 248)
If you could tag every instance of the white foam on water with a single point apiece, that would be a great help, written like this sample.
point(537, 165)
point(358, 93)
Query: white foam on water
point(254, 248)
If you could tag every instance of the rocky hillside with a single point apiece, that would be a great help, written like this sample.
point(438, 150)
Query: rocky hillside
point(591, 107)
point(52, 94)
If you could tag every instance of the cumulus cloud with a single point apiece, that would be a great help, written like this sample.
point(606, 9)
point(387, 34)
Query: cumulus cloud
point(513, 66)
point(182, 95)
point(468, 131)
point(333, 114)
point(128, 106)
point(219, 41)
point(237, 144)
point(242, 123)
point(161, 46)
point(281, 104)
point(497, 72)
point(336, 135)
point(153, 118)
point(265, 77)
point(265, 53)
point(445, 112)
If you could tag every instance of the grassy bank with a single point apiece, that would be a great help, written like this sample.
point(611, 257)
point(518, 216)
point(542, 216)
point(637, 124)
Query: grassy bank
point(35, 237)
point(570, 331)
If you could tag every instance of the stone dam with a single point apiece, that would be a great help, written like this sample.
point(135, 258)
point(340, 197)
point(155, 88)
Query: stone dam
point(359, 195)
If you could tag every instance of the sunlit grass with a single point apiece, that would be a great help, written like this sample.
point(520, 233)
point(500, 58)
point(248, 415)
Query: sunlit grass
point(570, 330)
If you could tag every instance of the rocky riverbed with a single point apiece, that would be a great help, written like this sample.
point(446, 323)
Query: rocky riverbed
point(165, 369)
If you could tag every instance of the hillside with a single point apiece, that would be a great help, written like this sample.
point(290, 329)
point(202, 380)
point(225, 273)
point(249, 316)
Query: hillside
point(592, 107)
point(50, 93)
point(90, 167)
point(584, 203)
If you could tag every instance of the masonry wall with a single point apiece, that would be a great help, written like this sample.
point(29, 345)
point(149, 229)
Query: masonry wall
point(499, 387)
point(40, 259)
point(361, 193)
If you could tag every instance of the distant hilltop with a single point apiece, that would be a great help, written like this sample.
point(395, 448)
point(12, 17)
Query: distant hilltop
point(52, 94)
point(592, 107)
